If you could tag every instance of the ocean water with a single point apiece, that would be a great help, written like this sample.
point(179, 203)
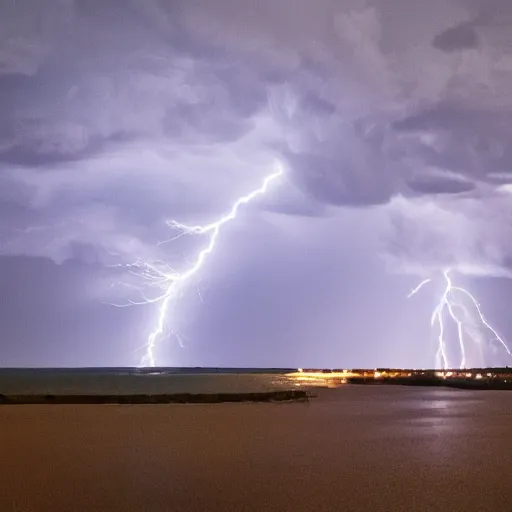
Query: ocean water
point(356, 448)
point(113, 381)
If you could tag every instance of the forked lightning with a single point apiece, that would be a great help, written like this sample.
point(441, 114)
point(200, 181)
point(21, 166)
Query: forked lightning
point(450, 302)
point(171, 282)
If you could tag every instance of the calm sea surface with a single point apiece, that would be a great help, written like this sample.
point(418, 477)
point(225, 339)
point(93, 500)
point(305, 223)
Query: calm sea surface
point(136, 380)
point(355, 448)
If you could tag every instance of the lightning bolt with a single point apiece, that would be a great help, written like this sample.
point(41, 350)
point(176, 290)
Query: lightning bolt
point(449, 302)
point(172, 282)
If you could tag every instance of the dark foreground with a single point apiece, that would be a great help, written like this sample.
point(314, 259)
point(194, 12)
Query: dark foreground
point(357, 448)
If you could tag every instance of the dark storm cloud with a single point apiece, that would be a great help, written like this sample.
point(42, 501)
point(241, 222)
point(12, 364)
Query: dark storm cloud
point(461, 37)
point(469, 140)
point(117, 116)
point(430, 185)
point(178, 81)
point(337, 179)
point(468, 234)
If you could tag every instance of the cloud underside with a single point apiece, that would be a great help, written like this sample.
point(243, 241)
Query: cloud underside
point(118, 118)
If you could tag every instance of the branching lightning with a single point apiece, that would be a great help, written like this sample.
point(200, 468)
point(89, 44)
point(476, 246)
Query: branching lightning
point(161, 276)
point(451, 303)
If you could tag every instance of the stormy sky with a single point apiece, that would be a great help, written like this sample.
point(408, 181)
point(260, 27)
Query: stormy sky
point(391, 119)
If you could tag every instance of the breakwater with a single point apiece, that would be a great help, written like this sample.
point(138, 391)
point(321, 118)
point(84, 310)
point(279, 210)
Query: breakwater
point(178, 398)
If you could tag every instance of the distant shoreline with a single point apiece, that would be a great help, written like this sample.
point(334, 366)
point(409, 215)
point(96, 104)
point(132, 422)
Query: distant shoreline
point(484, 384)
point(220, 385)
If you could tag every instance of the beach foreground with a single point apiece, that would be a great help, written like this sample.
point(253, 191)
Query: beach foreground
point(355, 448)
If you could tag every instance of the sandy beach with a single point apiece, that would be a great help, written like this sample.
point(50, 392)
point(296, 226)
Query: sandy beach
point(355, 448)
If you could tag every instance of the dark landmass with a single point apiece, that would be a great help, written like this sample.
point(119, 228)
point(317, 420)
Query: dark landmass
point(472, 381)
point(464, 378)
point(178, 398)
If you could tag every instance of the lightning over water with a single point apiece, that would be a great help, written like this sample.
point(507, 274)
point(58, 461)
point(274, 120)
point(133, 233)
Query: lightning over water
point(171, 282)
point(456, 303)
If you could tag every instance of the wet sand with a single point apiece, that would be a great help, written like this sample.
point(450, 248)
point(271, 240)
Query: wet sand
point(356, 448)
